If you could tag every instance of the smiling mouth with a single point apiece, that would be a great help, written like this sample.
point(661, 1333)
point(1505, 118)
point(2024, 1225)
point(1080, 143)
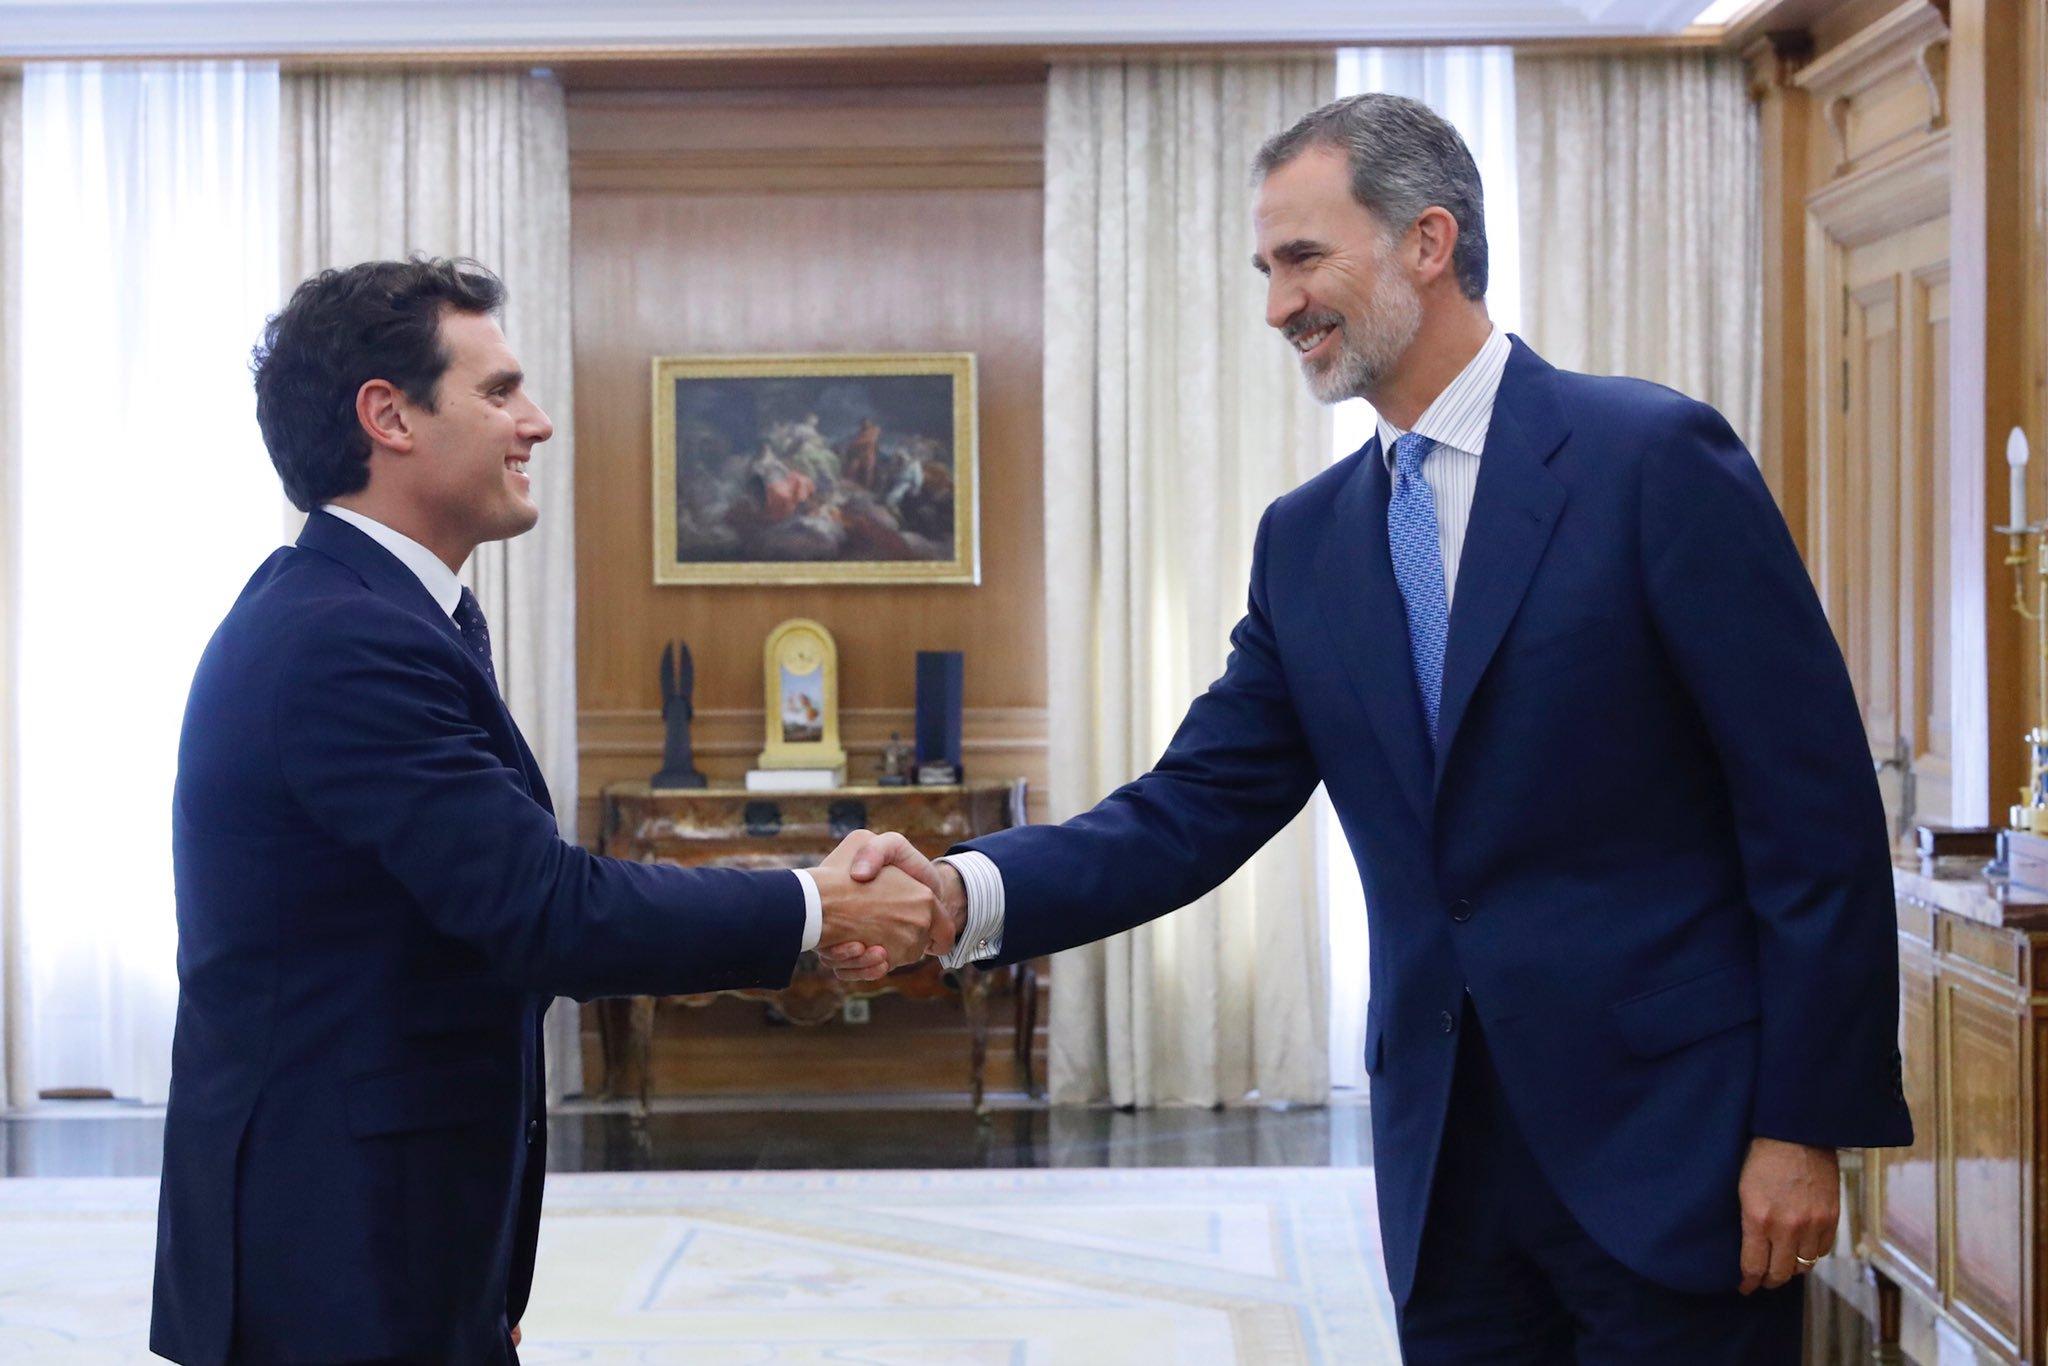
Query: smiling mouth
point(1306, 343)
point(517, 463)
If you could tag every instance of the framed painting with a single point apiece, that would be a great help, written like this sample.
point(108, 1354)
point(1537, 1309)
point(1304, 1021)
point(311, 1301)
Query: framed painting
point(816, 469)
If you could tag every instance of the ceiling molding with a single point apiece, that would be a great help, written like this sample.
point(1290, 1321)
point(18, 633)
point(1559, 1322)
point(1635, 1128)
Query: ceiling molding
point(49, 29)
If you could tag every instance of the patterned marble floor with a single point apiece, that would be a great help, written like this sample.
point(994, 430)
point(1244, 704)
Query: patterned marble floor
point(981, 1268)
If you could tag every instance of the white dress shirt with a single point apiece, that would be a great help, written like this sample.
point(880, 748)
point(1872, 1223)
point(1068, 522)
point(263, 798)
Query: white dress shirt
point(440, 582)
point(1457, 420)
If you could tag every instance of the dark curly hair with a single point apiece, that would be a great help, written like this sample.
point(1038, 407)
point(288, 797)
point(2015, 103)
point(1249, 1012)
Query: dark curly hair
point(342, 329)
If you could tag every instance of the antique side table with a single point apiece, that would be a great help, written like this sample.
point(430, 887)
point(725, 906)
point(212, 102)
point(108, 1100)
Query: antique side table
point(729, 827)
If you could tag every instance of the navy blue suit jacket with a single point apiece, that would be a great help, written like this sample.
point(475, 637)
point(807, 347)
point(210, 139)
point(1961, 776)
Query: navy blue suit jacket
point(374, 908)
point(1648, 842)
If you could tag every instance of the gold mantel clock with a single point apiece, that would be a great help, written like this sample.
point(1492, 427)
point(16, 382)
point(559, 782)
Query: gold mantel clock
point(800, 673)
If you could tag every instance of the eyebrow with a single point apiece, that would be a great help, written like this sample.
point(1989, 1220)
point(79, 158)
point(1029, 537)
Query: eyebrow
point(502, 379)
point(1291, 250)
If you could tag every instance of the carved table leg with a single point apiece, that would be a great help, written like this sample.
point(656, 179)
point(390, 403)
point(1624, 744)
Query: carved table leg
point(1887, 1351)
point(974, 1001)
point(643, 1044)
point(1026, 1030)
point(610, 1047)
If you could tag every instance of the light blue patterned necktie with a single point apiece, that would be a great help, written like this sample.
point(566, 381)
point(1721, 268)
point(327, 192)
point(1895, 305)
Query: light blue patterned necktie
point(1417, 549)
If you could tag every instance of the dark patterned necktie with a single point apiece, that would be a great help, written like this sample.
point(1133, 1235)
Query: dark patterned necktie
point(476, 633)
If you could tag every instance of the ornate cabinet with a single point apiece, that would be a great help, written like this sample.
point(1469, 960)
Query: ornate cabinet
point(1956, 1219)
point(733, 828)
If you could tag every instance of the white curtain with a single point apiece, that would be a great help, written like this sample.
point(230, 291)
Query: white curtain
point(1473, 87)
point(149, 263)
point(376, 166)
point(1173, 415)
point(14, 1080)
point(1642, 246)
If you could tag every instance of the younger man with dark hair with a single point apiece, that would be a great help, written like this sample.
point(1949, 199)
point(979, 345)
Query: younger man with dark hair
point(374, 903)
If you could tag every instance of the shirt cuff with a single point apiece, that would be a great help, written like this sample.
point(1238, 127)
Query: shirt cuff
point(983, 937)
point(814, 910)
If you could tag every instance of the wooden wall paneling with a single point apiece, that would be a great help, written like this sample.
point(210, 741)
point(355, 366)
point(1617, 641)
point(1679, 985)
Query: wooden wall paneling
point(1987, 368)
point(1783, 114)
point(1901, 1183)
point(829, 220)
point(1871, 468)
point(1878, 303)
point(1927, 647)
point(1984, 1271)
point(2032, 291)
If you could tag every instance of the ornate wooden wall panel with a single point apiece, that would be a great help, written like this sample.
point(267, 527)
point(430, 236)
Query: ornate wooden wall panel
point(1981, 1103)
point(796, 219)
point(1905, 1213)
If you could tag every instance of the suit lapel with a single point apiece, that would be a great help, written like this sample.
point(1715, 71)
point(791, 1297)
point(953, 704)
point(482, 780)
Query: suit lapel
point(1361, 607)
point(1515, 506)
point(389, 578)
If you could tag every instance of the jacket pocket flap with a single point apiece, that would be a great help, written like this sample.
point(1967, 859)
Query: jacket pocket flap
point(1669, 1018)
point(456, 1005)
point(443, 1097)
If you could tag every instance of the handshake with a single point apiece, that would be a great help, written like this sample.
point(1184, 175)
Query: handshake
point(885, 905)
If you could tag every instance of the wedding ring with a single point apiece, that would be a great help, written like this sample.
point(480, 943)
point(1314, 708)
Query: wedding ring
point(1806, 1262)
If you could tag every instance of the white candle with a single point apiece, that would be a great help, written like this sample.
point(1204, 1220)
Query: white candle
point(2016, 457)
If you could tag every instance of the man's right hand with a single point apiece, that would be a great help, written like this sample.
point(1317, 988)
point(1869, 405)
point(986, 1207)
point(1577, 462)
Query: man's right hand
point(895, 918)
point(873, 856)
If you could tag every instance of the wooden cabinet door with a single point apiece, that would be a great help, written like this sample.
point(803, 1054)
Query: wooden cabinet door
point(1984, 1173)
point(1880, 499)
point(1902, 1183)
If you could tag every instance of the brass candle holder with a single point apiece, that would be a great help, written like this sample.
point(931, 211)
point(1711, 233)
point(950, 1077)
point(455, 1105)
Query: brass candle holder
point(2029, 546)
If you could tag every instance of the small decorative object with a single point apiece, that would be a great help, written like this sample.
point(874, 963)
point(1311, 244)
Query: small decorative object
point(815, 469)
point(2028, 550)
point(897, 759)
point(800, 666)
point(678, 680)
point(941, 689)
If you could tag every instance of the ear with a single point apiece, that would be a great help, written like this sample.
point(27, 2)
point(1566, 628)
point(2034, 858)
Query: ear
point(1431, 242)
point(385, 415)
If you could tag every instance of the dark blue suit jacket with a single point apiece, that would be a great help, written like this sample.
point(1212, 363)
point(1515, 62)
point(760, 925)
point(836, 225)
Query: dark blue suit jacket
point(1648, 842)
point(374, 908)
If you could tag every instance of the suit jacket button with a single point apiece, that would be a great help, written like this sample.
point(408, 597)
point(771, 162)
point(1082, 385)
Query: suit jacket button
point(1461, 910)
point(1450, 1023)
point(532, 1132)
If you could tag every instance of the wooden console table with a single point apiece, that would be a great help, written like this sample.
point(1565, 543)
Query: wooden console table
point(1956, 1220)
point(729, 827)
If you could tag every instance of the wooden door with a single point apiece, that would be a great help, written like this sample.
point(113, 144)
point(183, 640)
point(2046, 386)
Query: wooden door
point(1882, 496)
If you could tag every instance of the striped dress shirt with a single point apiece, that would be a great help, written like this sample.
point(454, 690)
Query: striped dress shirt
point(1457, 421)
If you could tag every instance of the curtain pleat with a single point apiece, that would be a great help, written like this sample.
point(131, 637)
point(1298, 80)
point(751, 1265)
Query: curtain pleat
point(1173, 415)
point(14, 1079)
point(1642, 229)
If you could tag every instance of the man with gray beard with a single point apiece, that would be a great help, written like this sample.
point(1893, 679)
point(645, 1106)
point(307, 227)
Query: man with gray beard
point(1548, 643)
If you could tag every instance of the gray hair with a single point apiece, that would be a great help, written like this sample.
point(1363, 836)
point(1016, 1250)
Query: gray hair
point(1405, 157)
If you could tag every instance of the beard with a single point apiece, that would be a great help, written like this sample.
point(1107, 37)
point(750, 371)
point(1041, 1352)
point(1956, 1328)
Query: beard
point(1368, 348)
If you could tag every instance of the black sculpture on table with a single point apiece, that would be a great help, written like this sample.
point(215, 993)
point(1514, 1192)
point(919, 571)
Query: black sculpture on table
point(678, 678)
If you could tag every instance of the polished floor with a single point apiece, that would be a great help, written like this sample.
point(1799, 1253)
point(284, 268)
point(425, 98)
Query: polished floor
point(101, 1139)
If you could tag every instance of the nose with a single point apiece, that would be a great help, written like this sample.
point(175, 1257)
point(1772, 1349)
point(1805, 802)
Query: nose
point(1283, 300)
point(534, 424)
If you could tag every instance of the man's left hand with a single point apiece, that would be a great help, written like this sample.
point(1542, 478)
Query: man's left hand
point(1791, 1196)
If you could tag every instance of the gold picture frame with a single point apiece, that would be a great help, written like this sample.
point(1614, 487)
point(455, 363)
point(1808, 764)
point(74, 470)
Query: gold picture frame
point(800, 699)
point(808, 469)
